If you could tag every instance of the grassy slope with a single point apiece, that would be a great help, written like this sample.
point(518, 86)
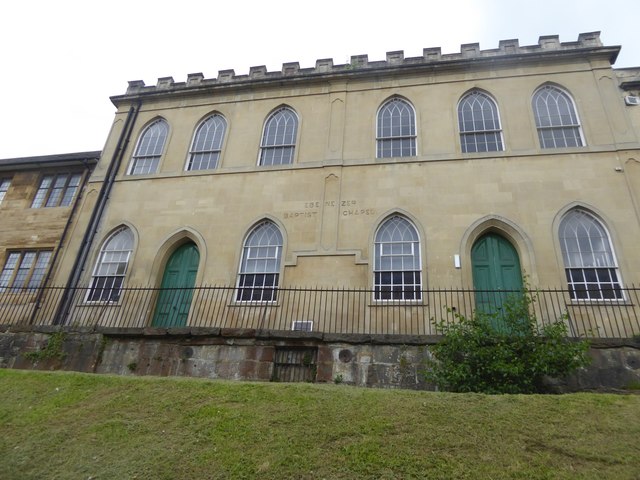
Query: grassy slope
point(67, 425)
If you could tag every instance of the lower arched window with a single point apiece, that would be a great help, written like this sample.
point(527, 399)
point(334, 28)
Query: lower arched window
point(260, 265)
point(589, 261)
point(111, 267)
point(397, 265)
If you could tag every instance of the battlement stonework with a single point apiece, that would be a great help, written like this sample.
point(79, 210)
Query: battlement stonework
point(360, 64)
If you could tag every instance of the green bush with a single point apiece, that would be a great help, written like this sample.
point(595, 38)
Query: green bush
point(505, 352)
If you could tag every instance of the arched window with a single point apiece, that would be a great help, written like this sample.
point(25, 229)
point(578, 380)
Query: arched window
point(397, 265)
point(111, 267)
point(589, 261)
point(207, 144)
point(396, 130)
point(279, 138)
point(556, 118)
point(479, 123)
point(260, 265)
point(149, 149)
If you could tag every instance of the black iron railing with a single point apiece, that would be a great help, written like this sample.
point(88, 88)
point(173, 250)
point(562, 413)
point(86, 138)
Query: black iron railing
point(326, 310)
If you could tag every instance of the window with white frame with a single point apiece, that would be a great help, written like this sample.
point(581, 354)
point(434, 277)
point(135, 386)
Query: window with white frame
point(260, 265)
point(149, 149)
point(207, 144)
point(4, 187)
point(589, 261)
point(396, 129)
point(556, 118)
point(479, 123)
point(24, 270)
point(397, 265)
point(279, 138)
point(56, 190)
point(111, 267)
point(302, 325)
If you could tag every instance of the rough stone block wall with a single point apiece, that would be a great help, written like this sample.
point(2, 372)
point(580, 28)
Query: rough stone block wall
point(167, 356)
point(360, 362)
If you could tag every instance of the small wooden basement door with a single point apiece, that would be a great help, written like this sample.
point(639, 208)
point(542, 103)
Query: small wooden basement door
point(496, 272)
point(178, 280)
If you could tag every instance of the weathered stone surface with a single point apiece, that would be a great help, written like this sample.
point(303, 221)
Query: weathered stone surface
point(238, 332)
point(47, 328)
point(179, 331)
point(370, 365)
point(19, 328)
point(120, 331)
point(402, 339)
point(155, 331)
point(288, 334)
point(204, 331)
point(77, 329)
point(346, 338)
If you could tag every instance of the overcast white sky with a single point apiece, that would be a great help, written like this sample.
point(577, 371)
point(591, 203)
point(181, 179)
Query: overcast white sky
point(61, 60)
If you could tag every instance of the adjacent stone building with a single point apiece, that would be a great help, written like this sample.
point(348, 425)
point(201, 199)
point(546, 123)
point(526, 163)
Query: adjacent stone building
point(38, 200)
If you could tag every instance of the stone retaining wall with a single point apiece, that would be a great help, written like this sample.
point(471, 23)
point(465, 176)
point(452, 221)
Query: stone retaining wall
point(362, 360)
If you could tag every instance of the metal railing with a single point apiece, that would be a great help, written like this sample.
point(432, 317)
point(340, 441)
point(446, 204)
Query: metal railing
point(325, 310)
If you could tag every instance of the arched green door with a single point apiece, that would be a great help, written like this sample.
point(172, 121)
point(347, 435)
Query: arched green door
point(174, 300)
point(496, 272)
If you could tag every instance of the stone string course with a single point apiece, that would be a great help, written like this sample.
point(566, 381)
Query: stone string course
point(430, 56)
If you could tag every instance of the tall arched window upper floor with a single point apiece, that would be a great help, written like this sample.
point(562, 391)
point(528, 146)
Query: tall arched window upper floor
point(556, 118)
point(259, 272)
point(587, 252)
point(479, 123)
point(279, 136)
point(206, 146)
point(149, 148)
point(396, 129)
point(111, 266)
point(397, 265)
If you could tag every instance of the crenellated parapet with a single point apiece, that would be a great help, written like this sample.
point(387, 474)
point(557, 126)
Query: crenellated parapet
point(360, 64)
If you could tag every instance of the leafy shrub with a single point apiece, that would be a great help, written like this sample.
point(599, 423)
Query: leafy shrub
point(504, 352)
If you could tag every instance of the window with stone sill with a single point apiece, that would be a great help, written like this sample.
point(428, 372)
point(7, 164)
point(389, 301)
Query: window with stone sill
point(111, 267)
point(396, 130)
point(57, 190)
point(149, 149)
point(590, 264)
point(279, 138)
point(4, 187)
point(207, 144)
point(260, 266)
point(397, 267)
point(479, 124)
point(24, 270)
point(556, 118)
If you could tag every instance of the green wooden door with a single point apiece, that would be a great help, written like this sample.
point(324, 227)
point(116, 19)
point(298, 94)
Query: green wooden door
point(496, 272)
point(174, 300)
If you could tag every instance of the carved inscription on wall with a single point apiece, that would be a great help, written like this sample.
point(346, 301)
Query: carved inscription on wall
point(347, 208)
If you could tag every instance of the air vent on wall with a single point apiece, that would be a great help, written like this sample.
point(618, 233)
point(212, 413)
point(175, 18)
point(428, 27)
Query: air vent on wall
point(302, 325)
point(632, 100)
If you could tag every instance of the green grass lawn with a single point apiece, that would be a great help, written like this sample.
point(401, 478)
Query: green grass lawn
point(80, 426)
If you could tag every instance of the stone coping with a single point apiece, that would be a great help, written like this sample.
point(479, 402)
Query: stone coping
point(263, 334)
